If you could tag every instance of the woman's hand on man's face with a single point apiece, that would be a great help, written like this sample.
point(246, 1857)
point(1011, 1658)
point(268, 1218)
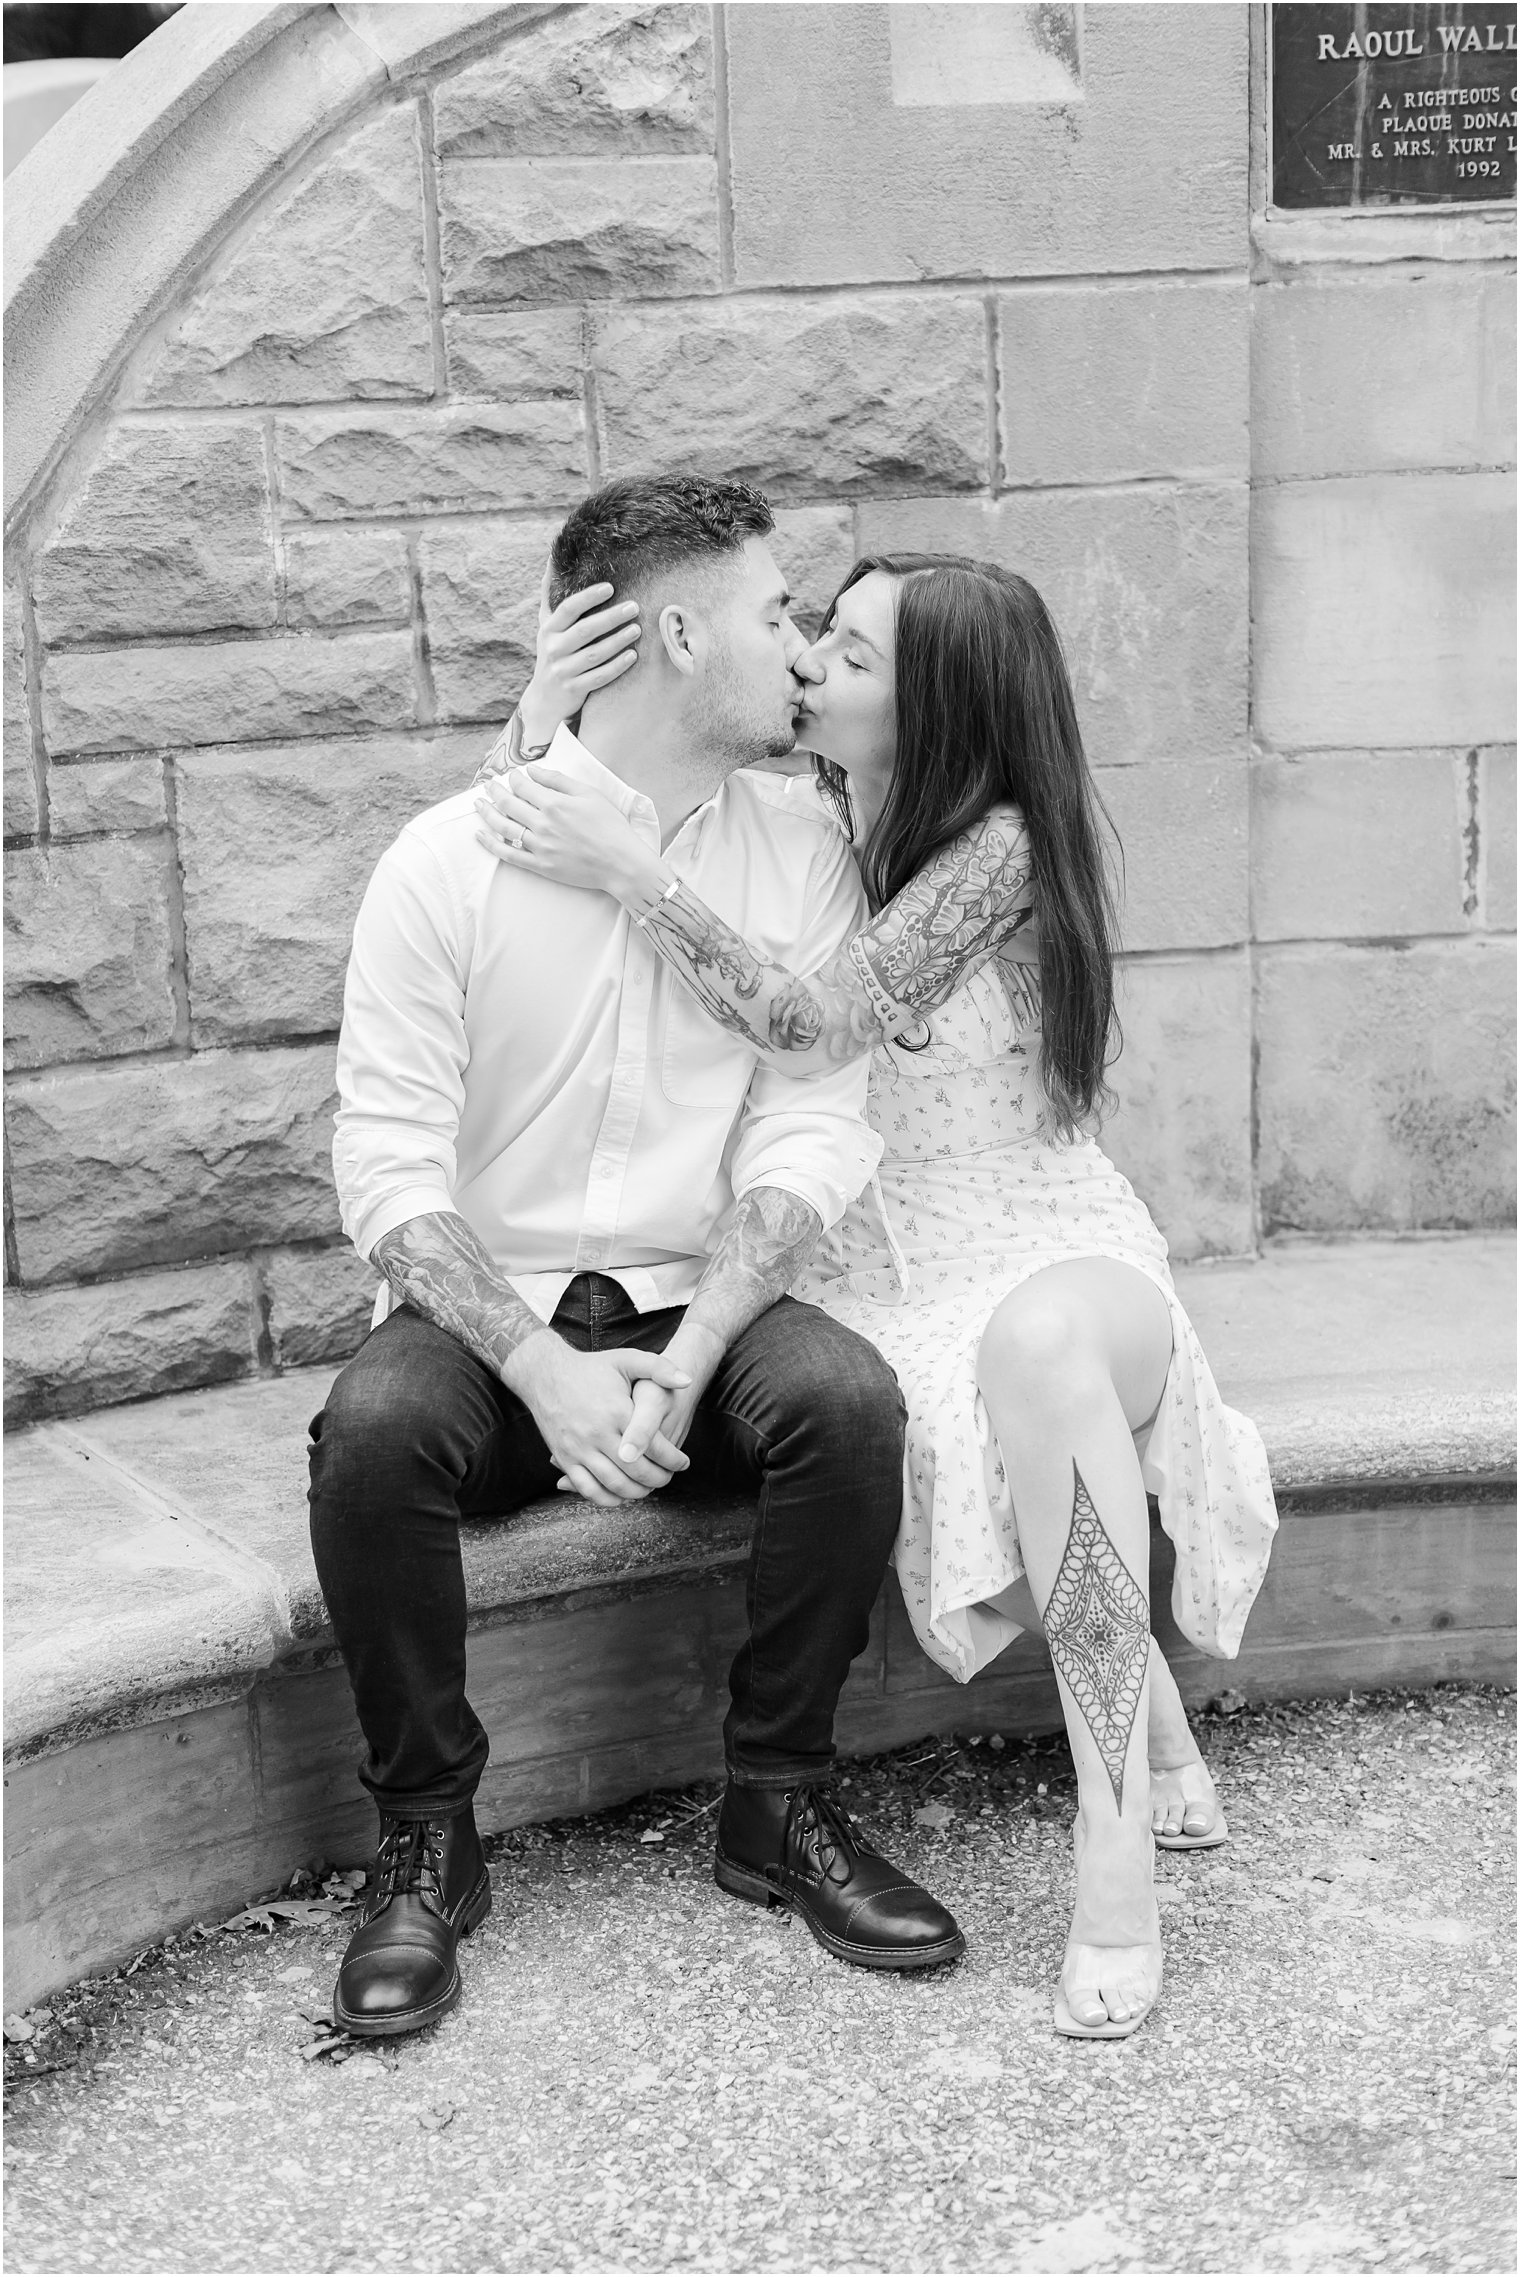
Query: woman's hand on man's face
point(586, 643)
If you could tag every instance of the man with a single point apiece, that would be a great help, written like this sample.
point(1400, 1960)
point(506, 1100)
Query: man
point(588, 1206)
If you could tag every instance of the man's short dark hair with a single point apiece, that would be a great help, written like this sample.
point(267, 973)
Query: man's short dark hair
point(634, 528)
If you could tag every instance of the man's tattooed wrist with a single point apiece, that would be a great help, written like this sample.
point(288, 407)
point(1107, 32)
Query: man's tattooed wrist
point(439, 1266)
point(769, 1239)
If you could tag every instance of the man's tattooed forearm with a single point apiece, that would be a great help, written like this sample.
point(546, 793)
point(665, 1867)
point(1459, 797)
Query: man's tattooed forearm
point(1098, 1627)
point(770, 1237)
point(439, 1266)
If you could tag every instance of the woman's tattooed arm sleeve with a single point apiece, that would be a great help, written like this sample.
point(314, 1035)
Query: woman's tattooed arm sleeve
point(963, 907)
point(439, 1266)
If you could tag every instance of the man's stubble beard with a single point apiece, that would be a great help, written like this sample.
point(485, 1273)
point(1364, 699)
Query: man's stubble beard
point(729, 730)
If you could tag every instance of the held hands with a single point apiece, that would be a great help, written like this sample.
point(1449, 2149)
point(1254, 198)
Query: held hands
point(534, 818)
point(610, 1446)
point(582, 646)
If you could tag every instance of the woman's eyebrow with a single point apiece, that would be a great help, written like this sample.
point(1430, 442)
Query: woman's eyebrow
point(853, 632)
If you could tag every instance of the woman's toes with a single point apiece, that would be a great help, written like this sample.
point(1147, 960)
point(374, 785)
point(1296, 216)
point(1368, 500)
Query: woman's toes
point(1198, 1818)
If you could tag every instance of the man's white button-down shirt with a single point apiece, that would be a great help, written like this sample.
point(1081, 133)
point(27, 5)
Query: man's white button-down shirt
point(516, 1051)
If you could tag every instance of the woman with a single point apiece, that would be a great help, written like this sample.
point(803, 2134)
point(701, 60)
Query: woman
point(999, 1261)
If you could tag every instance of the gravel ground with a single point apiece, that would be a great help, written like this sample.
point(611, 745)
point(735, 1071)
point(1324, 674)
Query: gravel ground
point(646, 2075)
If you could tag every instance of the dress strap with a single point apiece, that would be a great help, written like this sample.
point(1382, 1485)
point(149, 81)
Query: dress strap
point(899, 1262)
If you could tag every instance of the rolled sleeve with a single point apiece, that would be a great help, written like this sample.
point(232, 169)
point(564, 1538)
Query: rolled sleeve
point(402, 1052)
point(809, 1135)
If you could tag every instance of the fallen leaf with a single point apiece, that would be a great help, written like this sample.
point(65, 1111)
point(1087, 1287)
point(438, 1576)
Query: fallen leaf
point(17, 2028)
point(651, 1834)
point(324, 2047)
point(439, 2117)
point(935, 1816)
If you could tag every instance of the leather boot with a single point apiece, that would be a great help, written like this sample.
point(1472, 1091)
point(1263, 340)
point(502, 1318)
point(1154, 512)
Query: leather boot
point(429, 1887)
point(795, 1846)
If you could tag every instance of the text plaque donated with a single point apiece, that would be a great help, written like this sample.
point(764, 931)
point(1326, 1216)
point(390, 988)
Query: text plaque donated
point(1380, 106)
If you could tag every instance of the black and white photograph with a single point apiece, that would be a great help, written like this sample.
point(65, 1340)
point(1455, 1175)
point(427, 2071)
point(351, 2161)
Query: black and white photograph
point(760, 1159)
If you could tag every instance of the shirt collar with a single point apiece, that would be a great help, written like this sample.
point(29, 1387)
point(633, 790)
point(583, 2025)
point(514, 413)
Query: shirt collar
point(569, 754)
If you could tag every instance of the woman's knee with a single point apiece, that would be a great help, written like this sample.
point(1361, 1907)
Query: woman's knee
point(1040, 1351)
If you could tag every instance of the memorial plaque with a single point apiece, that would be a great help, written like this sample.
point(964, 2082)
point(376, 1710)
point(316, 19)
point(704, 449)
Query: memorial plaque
point(1388, 106)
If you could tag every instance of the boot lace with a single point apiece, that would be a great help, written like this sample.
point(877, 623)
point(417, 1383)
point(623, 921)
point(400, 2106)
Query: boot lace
point(819, 1823)
point(409, 1863)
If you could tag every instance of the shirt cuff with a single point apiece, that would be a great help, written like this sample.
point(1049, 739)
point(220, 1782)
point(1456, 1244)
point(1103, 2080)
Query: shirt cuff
point(825, 1195)
point(383, 1217)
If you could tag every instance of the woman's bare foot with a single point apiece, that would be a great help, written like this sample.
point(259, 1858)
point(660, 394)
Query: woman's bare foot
point(1183, 1801)
point(1111, 1976)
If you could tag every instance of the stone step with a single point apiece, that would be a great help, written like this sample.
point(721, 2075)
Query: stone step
point(179, 1732)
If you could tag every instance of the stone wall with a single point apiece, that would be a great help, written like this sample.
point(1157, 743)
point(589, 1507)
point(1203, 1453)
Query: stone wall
point(932, 277)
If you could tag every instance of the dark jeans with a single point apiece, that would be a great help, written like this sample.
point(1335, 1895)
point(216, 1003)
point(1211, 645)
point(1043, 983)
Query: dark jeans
point(417, 1433)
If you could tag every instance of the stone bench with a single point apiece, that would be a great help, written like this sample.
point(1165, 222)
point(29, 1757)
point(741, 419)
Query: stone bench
point(179, 1731)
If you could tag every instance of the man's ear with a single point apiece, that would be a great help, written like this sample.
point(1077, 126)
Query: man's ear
point(679, 634)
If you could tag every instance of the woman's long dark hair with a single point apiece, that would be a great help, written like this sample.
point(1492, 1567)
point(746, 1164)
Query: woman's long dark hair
point(984, 714)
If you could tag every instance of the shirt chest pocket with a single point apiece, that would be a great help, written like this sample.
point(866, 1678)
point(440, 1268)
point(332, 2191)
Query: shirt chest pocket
point(701, 1064)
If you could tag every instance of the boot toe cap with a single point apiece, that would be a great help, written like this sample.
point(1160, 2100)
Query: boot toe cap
point(391, 1982)
point(907, 1919)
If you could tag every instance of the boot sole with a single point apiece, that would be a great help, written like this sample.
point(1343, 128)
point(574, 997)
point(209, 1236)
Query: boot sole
point(477, 1905)
point(743, 1882)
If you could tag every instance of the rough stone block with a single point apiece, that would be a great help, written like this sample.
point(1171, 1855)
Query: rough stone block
point(1182, 1131)
point(511, 352)
point(1148, 590)
point(480, 596)
point(847, 171)
point(1400, 370)
point(87, 951)
point(325, 296)
point(21, 810)
point(240, 691)
point(1386, 1089)
point(1107, 382)
point(1185, 834)
point(346, 577)
point(1384, 611)
point(276, 848)
point(114, 795)
point(115, 1170)
point(593, 79)
point(467, 458)
point(70, 1350)
point(1347, 845)
point(815, 545)
point(168, 532)
point(320, 1301)
point(561, 229)
point(800, 395)
point(1496, 822)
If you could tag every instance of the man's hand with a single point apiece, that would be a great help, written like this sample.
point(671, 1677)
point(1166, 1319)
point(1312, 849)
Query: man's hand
point(663, 1417)
point(583, 1404)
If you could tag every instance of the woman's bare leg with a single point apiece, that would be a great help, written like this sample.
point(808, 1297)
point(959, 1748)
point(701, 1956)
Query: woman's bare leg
point(1183, 1800)
point(1071, 1364)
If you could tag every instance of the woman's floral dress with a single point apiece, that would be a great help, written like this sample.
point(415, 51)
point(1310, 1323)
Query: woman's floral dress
point(975, 1195)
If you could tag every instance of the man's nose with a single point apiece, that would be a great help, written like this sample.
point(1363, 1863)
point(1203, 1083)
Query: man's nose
point(802, 661)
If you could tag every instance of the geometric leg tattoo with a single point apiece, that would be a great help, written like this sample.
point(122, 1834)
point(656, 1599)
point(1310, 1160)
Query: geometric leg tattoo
point(1098, 1627)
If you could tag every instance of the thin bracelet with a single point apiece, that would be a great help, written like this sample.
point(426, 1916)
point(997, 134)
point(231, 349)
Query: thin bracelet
point(673, 888)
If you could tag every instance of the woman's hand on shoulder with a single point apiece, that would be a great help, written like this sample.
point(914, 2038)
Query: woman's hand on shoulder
point(536, 818)
point(590, 640)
